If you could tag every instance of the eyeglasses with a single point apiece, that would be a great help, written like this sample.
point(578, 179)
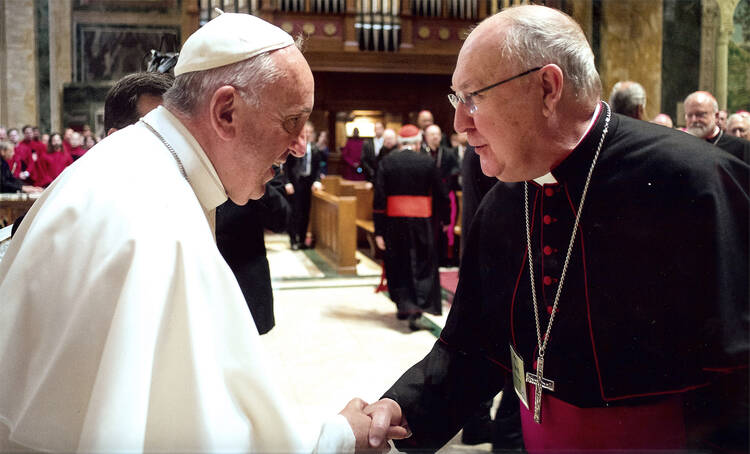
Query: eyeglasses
point(467, 100)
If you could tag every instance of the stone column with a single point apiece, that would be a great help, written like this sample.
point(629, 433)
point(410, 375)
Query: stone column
point(726, 27)
point(631, 48)
point(709, 26)
point(60, 57)
point(18, 65)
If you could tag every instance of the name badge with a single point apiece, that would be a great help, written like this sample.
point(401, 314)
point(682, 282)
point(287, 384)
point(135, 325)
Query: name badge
point(519, 380)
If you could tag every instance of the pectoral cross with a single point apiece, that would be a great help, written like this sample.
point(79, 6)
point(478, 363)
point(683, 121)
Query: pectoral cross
point(539, 383)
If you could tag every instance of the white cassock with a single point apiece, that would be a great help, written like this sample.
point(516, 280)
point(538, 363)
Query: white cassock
point(121, 326)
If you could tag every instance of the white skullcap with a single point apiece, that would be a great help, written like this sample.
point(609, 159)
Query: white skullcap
point(227, 39)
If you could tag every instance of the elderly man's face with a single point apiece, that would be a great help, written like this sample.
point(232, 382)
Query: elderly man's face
point(700, 116)
point(739, 127)
point(270, 132)
point(389, 138)
point(13, 135)
point(432, 136)
point(499, 129)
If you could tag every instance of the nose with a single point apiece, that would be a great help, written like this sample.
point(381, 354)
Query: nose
point(462, 121)
point(299, 146)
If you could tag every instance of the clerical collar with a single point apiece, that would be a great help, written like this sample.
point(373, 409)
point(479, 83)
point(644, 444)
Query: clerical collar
point(549, 178)
point(716, 136)
point(200, 172)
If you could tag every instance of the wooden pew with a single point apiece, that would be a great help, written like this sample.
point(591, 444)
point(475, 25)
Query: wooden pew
point(365, 224)
point(14, 205)
point(332, 217)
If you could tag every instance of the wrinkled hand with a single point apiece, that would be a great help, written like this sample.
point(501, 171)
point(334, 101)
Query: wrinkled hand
point(380, 242)
point(317, 186)
point(289, 188)
point(368, 185)
point(387, 422)
point(359, 422)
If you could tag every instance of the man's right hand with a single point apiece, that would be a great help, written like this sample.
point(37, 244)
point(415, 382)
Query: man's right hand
point(31, 189)
point(387, 422)
point(289, 188)
point(380, 242)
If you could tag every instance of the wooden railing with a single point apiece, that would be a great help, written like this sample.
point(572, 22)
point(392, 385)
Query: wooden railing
point(12, 206)
point(332, 214)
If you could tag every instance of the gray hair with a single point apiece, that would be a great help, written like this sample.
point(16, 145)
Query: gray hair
point(533, 40)
point(250, 77)
point(626, 97)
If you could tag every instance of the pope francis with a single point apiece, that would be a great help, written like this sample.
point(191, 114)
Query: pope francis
point(121, 326)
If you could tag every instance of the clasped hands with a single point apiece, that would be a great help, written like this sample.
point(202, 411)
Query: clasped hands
point(374, 424)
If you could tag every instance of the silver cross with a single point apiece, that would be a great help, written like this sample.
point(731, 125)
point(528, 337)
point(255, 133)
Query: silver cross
point(539, 383)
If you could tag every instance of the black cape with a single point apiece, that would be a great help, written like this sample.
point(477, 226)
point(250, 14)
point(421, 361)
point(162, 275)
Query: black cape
point(655, 301)
point(411, 262)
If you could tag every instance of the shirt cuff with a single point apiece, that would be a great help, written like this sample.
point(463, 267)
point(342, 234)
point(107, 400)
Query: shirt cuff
point(335, 436)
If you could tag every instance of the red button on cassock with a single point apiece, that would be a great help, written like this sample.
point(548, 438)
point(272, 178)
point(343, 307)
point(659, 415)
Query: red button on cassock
point(549, 310)
point(547, 280)
point(547, 250)
point(549, 192)
point(547, 219)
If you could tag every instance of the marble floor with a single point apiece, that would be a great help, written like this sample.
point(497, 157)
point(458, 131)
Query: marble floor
point(335, 338)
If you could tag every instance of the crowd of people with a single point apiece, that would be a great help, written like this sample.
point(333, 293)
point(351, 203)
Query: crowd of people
point(31, 160)
point(602, 284)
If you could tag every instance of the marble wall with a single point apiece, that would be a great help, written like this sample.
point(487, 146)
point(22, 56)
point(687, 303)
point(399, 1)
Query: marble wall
point(18, 68)
point(631, 48)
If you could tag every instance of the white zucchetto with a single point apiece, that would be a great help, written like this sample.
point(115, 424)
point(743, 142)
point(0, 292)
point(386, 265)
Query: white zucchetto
point(227, 39)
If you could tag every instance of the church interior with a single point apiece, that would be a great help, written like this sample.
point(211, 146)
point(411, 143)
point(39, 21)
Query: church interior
point(373, 61)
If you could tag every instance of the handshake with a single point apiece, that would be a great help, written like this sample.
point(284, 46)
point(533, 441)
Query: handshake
point(374, 424)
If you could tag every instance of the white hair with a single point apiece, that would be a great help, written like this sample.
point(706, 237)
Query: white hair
point(533, 40)
point(626, 97)
point(250, 77)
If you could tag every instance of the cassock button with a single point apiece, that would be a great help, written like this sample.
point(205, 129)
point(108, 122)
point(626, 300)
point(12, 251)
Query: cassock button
point(547, 250)
point(549, 310)
point(547, 219)
point(547, 280)
point(549, 192)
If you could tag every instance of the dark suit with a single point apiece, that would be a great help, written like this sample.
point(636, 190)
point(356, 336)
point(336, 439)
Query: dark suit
point(294, 171)
point(239, 236)
point(370, 161)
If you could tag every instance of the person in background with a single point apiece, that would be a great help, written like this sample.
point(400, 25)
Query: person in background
point(9, 183)
point(13, 136)
point(628, 98)
point(721, 119)
point(371, 152)
point(322, 144)
point(76, 146)
point(738, 125)
point(51, 163)
point(89, 142)
point(701, 119)
point(302, 179)
point(664, 120)
point(351, 154)
point(408, 194)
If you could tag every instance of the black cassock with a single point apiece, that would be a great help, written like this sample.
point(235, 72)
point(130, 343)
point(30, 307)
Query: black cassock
point(240, 239)
point(408, 191)
point(653, 308)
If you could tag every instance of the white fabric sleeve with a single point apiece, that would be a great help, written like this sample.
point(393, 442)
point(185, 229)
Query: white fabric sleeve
point(335, 436)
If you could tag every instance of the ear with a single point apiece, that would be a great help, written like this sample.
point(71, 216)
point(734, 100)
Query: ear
point(552, 88)
point(641, 112)
point(223, 112)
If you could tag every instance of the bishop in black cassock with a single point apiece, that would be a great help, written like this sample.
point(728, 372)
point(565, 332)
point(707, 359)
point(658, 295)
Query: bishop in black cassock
point(654, 306)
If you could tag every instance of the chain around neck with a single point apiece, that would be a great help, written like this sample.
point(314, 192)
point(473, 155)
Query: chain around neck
point(543, 344)
point(169, 147)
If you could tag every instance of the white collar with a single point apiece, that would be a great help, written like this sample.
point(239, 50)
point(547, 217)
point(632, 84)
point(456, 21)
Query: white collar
point(200, 172)
point(548, 178)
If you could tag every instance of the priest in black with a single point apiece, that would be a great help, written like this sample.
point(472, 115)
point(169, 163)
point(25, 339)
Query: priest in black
point(408, 192)
point(701, 115)
point(606, 275)
point(240, 239)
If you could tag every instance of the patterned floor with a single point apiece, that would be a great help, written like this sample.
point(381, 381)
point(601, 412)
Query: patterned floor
point(335, 338)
